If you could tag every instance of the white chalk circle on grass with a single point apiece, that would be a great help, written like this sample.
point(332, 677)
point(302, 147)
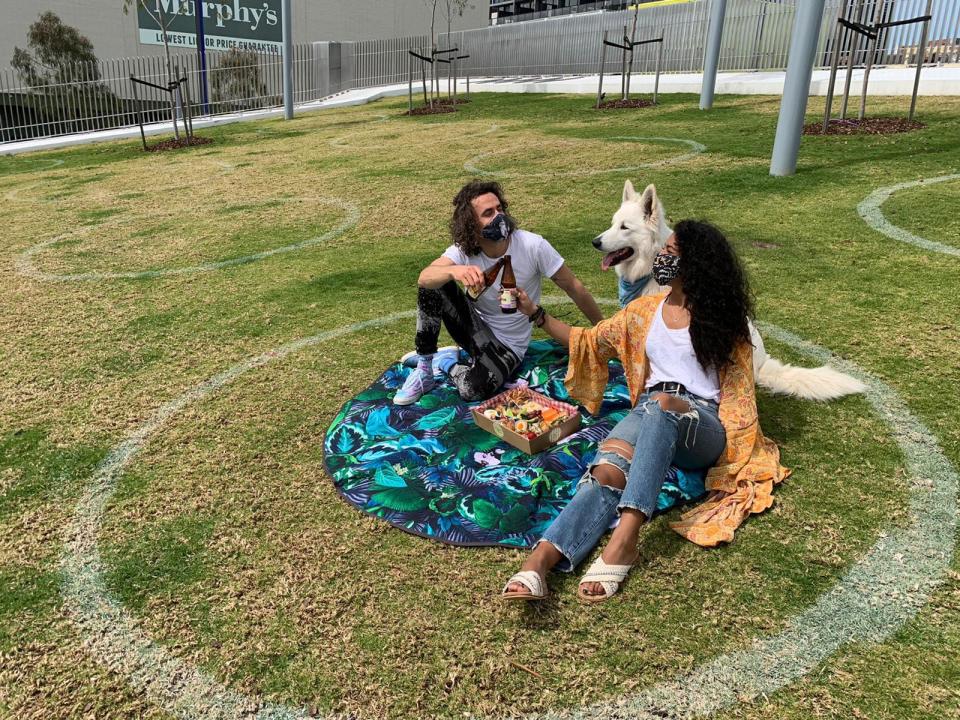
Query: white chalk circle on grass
point(473, 164)
point(49, 162)
point(25, 266)
point(875, 596)
point(341, 141)
point(869, 209)
point(17, 193)
point(14, 194)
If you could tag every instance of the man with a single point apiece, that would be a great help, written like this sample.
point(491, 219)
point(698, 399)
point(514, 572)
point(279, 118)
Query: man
point(496, 342)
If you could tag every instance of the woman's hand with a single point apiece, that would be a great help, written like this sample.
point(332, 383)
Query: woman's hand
point(524, 303)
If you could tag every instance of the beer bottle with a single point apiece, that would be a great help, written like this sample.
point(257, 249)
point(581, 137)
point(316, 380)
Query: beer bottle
point(489, 277)
point(508, 286)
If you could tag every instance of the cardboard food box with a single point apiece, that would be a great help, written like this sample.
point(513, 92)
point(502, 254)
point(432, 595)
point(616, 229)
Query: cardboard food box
point(530, 446)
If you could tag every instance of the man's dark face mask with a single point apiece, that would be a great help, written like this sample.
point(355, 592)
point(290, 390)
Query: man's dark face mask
point(497, 229)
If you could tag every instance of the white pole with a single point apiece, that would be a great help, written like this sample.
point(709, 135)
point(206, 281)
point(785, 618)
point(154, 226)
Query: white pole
point(711, 59)
point(796, 87)
point(287, 61)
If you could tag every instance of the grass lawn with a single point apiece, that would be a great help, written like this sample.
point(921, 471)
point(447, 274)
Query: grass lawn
point(226, 540)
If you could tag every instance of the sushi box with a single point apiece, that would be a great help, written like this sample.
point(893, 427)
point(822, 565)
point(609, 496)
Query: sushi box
point(562, 418)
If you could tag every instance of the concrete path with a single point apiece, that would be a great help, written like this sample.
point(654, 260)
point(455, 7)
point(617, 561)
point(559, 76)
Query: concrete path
point(883, 81)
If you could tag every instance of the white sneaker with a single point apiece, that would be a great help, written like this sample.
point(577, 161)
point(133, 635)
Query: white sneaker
point(417, 384)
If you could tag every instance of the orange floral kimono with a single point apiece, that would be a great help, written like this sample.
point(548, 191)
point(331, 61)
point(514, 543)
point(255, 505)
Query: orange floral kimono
point(741, 483)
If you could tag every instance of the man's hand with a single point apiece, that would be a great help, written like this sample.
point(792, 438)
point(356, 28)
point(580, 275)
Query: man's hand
point(575, 290)
point(469, 275)
point(524, 303)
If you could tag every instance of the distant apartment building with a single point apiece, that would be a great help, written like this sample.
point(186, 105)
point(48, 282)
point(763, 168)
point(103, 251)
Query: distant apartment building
point(504, 11)
point(943, 50)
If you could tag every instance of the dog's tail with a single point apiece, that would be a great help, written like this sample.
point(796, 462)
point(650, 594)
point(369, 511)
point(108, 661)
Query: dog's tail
point(822, 383)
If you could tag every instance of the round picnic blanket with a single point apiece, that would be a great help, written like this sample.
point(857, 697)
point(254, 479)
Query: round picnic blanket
point(429, 470)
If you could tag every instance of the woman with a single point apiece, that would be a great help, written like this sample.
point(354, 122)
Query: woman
point(687, 358)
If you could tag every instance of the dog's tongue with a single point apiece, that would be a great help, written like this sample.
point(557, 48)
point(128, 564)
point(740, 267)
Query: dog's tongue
point(612, 258)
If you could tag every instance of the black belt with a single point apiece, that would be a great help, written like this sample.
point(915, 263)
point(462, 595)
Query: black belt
point(673, 388)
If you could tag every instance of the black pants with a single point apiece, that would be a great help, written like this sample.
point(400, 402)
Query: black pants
point(492, 361)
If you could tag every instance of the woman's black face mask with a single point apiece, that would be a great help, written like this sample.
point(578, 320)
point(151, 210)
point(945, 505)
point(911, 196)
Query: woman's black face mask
point(497, 229)
point(665, 267)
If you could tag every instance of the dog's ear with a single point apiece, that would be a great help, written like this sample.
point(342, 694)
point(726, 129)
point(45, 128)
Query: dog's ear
point(650, 204)
point(628, 192)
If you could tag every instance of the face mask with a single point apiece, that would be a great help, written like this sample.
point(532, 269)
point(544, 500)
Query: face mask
point(497, 229)
point(665, 268)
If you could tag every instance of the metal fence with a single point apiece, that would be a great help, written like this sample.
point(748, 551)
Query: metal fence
point(83, 97)
point(756, 36)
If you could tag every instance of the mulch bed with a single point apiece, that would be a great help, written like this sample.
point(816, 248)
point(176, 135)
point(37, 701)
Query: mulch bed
point(618, 104)
point(437, 109)
point(449, 101)
point(174, 144)
point(867, 126)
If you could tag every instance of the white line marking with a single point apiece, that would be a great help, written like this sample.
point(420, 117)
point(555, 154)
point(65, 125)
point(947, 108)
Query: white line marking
point(24, 261)
point(50, 162)
point(14, 194)
point(473, 164)
point(875, 597)
point(869, 209)
point(339, 142)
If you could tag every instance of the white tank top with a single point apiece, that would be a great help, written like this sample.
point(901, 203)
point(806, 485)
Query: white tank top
point(672, 359)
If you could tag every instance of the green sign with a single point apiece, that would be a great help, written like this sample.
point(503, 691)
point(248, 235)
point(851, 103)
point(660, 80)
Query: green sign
point(227, 24)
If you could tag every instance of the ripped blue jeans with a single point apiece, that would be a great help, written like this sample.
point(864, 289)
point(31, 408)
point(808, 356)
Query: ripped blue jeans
point(643, 446)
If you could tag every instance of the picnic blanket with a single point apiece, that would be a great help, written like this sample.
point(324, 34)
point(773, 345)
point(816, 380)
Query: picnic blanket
point(429, 470)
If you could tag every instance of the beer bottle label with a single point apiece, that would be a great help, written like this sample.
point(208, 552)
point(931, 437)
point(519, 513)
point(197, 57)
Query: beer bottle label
point(508, 303)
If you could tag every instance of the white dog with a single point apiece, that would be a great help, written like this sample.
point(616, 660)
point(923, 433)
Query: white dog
point(638, 232)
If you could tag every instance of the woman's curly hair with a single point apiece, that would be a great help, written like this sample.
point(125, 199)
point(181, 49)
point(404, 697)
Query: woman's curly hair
point(464, 227)
point(717, 292)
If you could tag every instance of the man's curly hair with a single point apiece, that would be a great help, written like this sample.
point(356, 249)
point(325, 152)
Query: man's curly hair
point(717, 292)
point(464, 227)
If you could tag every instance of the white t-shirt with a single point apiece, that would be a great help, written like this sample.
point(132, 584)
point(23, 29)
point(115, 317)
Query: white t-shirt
point(672, 359)
point(532, 258)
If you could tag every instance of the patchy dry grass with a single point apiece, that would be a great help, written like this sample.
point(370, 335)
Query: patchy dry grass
point(226, 538)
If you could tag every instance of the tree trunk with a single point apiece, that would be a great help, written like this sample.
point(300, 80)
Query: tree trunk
point(449, 45)
point(633, 37)
point(433, 52)
point(166, 51)
point(162, 22)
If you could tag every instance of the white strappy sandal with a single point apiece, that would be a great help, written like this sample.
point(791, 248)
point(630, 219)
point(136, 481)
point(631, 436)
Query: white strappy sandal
point(530, 580)
point(610, 577)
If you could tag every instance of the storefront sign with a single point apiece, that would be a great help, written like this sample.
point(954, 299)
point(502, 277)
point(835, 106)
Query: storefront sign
point(227, 24)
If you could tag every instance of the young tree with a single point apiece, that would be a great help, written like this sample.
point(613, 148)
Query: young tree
point(159, 16)
point(451, 9)
point(633, 37)
point(59, 67)
point(432, 4)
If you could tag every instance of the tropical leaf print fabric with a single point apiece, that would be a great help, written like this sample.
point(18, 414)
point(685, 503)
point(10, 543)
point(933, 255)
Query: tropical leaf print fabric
point(429, 470)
